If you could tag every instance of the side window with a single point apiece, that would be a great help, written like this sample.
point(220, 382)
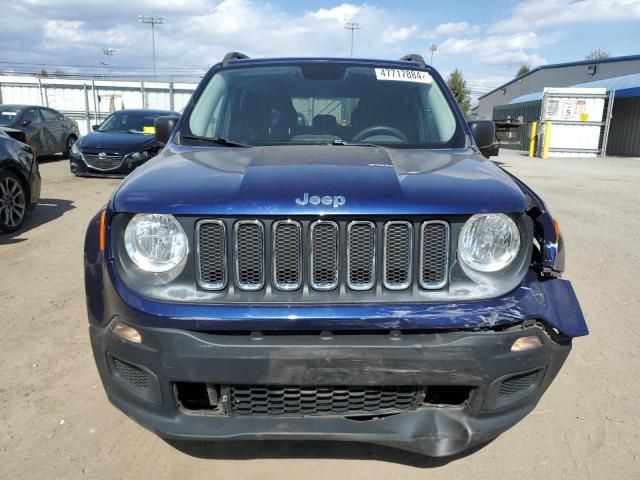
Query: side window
point(32, 115)
point(49, 115)
point(206, 114)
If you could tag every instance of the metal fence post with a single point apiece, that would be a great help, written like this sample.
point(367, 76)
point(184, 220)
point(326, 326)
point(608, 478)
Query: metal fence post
point(95, 101)
point(142, 92)
point(86, 107)
point(607, 123)
point(171, 101)
point(40, 90)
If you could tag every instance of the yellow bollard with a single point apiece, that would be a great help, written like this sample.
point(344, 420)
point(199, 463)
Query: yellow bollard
point(545, 142)
point(532, 142)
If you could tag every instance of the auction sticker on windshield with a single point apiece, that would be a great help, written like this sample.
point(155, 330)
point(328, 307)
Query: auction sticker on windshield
point(400, 75)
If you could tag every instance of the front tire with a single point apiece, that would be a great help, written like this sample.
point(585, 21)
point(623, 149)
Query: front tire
point(13, 202)
point(71, 139)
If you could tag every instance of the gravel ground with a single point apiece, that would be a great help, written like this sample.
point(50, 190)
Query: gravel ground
point(56, 422)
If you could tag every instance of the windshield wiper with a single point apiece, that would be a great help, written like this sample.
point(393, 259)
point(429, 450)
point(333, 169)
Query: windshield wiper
point(216, 140)
point(348, 144)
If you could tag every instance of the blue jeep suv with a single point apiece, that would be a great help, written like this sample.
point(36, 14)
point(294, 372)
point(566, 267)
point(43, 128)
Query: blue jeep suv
point(321, 251)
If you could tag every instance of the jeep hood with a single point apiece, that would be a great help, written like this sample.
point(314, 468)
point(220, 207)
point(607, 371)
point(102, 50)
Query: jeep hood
point(267, 181)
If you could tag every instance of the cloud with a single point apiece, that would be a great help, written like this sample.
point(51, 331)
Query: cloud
point(534, 14)
point(449, 29)
point(340, 14)
point(506, 50)
point(395, 35)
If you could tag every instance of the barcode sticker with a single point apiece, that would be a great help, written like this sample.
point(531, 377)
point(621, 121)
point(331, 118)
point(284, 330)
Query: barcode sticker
point(398, 75)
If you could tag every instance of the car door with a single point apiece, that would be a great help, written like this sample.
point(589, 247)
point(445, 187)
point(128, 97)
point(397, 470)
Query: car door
point(31, 123)
point(54, 130)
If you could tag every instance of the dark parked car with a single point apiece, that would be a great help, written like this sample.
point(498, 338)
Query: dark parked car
point(122, 142)
point(46, 130)
point(19, 179)
point(364, 275)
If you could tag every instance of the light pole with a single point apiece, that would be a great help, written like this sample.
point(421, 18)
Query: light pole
point(104, 65)
point(108, 52)
point(433, 47)
point(352, 26)
point(153, 21)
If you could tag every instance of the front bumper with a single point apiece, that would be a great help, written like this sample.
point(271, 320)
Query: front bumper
point(80, 168)
point(481, 360)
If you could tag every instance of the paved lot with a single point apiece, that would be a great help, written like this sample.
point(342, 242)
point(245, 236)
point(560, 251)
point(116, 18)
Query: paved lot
point(55, 420)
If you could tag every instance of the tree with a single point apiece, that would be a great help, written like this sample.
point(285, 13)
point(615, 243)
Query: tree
point(597, 54)
point(522, 70)
point(458, 86)
point(43, 73)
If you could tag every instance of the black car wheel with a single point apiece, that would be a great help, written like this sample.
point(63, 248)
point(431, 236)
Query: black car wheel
point(70, 141)
point(13, 202)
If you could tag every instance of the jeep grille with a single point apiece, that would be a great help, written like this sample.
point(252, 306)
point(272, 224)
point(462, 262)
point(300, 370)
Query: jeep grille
point(324, 255)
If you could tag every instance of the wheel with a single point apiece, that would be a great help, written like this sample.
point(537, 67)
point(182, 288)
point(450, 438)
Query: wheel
point(70, 141)
point(13, 202)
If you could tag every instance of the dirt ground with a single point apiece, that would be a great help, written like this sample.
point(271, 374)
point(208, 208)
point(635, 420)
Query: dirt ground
point(56, 422)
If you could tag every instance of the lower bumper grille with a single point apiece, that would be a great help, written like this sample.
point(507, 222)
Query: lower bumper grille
point(518, 383)
point(297, 400)
point(131, 374)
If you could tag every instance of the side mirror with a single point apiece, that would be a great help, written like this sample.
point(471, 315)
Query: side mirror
point(484, 133)
point(164, 127)
point(95, 127)
point(25, 123)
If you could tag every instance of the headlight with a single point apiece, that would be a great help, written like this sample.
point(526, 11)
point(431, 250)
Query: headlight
point(141, 155)
point(75, 149)
point(489, 242)
point(156, 243)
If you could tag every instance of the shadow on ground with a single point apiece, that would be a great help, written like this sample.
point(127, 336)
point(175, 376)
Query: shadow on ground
point(281, 450)
point(51, 158)
point(48, 210)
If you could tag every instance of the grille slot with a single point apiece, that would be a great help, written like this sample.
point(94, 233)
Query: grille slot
point(434, 254)
point(287, 255)
point(398, 252)
point(361, 255)
point(212, 254)
point(249, 238)
point(517, 383)
point(131, 374)
point(109, 162)
point(324, 255)
point(268, 400)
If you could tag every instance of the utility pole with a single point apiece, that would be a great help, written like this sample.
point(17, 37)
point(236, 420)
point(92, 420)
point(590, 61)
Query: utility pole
point(108, 52)
point(153, 21)
point(433, 47)
point(352, 26)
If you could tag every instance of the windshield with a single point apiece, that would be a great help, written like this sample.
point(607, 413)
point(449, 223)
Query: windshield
point(128, 122)
point(8, 115)
point(324, 103)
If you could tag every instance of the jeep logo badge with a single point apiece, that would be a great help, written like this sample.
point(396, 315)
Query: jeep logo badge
point(328, 200)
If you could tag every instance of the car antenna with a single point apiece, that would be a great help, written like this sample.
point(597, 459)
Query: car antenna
point(233, 56)
point(416, 58)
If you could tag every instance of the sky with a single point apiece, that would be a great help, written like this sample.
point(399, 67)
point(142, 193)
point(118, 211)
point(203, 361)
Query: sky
point(487, 40)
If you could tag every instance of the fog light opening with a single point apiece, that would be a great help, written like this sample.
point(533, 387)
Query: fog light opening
point(526, 343)
point(127, 333)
